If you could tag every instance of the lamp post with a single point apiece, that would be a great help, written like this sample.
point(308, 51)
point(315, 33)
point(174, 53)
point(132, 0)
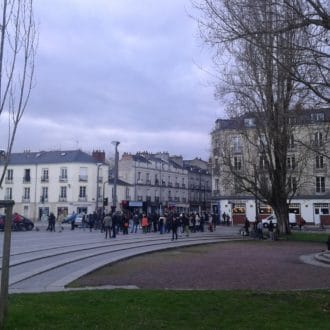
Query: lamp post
point(114, 197)
point(97, 186)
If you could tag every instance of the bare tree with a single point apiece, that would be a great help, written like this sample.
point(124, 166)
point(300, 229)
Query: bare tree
point(17, 53)
point(258, 58)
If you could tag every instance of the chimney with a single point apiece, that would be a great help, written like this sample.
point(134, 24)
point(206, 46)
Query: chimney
point(99, 156)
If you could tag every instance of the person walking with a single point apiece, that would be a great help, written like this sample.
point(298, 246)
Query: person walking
point(185, 224)
point(107, 225)
point(60, 219)
point(51, 220)
point(246, 227)
point(136, 223)
point(174, 226)
point(144, 223)
point(125, 224)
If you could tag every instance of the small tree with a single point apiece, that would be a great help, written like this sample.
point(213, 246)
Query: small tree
point(17, 53)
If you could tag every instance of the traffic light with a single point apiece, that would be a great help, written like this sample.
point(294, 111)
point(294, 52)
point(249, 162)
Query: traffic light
point(105, 201)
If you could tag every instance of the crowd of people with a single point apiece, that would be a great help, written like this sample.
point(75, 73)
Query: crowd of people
point(124, 222)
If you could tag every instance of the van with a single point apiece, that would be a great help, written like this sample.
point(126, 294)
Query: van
point(272, 217)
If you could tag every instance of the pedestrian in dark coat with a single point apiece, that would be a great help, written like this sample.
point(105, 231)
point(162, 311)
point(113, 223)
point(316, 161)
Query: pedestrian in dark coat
point(174, 223)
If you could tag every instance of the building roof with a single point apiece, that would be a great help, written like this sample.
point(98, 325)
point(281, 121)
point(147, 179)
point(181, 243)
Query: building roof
point(51, 157)
point(300, 117)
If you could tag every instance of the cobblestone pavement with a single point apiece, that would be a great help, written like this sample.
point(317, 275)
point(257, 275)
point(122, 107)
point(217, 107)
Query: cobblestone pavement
point(256, 265)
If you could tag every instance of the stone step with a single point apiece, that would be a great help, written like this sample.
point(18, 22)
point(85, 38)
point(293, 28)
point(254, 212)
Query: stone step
point(323, 257)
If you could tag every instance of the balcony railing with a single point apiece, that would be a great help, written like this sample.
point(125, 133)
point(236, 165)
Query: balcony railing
point(82, 198)
point(25, 199)
point(63, 178)
point(44, 179)
point(83, 178)
point(319, 169)
point(62, 199)
point(27, 179)
point(9, 181)
point(43, 199)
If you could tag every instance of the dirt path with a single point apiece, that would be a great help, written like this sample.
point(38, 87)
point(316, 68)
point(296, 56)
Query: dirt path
point(256, 265)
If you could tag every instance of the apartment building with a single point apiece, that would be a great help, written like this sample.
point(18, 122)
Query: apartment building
point(308, 166)
point(159, 182)
point(55, 181)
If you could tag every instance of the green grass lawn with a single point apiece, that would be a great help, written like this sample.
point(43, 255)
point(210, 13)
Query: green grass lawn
point(161, 309)
point(308, 237)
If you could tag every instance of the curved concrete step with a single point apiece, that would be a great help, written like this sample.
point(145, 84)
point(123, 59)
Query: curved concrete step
point(323, 257)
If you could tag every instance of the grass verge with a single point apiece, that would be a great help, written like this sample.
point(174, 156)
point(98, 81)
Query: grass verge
point(307, 237)
point(158, 309)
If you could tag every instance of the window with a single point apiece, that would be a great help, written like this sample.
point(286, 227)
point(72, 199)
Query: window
point(319, 116)
point(237, 163)
point(263, 162)
point(249, 122)
point(44, 194)
point(26, 195)
point(320, 184)
point(291, 142)
point(292, 183)
point(294, 208)
point(148, 178)
point(82, 192)
point(318, 139)
point(236, 144)
point(9, 193)
point(262, 140)
point(319, 162)
point(27, 177)
point(127, 196)
point(63, 174)
point(44, 175)
point(239, 208)
point(10, 174)
point(63, 192)
point(291, 163)
point(216, 184)
point(83, 174)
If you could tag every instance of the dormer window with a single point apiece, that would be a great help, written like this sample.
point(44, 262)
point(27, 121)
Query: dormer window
point(319, 116)
point(250, 122)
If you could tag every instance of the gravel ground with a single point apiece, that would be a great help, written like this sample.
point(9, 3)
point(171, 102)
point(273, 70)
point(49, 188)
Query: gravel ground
point(255, 265)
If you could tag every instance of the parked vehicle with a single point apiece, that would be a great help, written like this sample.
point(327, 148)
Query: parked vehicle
point(79, 219)
point(19, 222)
point(272, 217)
point(70, 218)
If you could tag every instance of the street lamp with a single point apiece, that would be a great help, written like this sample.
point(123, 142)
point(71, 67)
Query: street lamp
point(97, 186)
point(114, 196)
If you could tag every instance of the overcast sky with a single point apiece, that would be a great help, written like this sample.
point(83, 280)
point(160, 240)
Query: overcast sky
point(126, 70)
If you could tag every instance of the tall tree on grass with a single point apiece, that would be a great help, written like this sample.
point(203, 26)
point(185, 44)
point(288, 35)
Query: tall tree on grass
point(257, 61)
point(17, 54)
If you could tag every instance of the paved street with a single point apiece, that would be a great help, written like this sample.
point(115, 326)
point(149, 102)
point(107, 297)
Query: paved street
point(45, 261)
